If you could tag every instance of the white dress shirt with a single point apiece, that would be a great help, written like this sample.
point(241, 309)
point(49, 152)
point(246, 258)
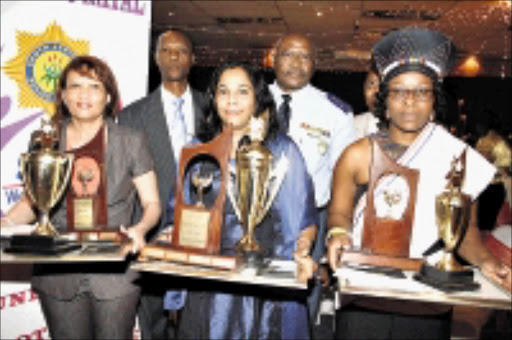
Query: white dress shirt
point(187, 110)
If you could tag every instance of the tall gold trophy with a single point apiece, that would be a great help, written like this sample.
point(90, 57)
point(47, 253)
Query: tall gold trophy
point(255, 186)
point(45, 172)
point(452, 218)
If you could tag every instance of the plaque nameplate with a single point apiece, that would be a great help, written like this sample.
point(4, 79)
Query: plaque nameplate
point(194, 228)
point(83, 213)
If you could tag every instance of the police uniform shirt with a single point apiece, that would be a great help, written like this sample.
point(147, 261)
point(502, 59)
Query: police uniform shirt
point(322, 125)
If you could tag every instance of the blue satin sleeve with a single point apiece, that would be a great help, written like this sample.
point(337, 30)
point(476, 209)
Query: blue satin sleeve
point(295, 201)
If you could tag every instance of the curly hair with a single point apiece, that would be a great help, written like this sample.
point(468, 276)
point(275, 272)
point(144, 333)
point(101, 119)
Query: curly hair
point(211, 124)
point(440, 101)
point(94, 68)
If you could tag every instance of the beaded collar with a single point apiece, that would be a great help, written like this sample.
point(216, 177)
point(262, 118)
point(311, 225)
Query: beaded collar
point(392, 149)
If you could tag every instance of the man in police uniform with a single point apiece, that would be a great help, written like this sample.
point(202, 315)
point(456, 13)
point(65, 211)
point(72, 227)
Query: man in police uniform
point(320, 123)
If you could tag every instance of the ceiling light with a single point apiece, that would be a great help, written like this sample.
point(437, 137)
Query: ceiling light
point(319, 14)
point(506, 3)
point(471, 66)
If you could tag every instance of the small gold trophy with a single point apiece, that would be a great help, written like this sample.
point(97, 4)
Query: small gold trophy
point(452, 218)
point(45, 173)
point(256, 185)
point(201, 182)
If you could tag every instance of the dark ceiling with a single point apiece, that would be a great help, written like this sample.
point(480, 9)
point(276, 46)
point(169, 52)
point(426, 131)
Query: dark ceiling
point(343, 31)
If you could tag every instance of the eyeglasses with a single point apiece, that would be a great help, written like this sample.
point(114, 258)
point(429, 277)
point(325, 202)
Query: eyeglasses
point(292, 55)
point(417, 94)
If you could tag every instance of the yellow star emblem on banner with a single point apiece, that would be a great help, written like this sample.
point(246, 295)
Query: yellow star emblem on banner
point(39, 64)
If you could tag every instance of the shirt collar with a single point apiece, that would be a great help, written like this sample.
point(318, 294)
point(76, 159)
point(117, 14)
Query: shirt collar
point(168, 96)
point(295, 95)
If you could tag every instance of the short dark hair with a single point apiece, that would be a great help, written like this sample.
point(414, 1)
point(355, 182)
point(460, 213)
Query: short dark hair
point(91, 67)
point(211, 125)
point(176, 31)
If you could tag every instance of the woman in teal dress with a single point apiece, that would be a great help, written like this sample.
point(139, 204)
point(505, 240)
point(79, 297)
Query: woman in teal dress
point(211, 310)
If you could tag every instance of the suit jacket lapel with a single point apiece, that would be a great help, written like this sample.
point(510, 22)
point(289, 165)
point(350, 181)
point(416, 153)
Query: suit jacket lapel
point(158, 135)
point(198, 108)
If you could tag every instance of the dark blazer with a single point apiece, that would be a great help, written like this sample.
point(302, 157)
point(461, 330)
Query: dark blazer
point(147, 115)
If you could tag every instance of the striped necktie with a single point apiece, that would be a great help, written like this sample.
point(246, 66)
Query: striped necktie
point(179, 129)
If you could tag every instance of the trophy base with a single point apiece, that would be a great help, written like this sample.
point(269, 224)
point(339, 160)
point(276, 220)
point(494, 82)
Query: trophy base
point(252, 262)
point(447, 281)
point(167, 253)
point(40, 245)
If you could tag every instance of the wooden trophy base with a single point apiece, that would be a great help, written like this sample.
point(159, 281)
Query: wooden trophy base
point(170, 254)
point(447, 281)
point(40, 244)
point(378, 260)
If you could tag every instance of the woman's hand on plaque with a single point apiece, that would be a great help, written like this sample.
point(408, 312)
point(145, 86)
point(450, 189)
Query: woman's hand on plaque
point(498, 272)
point(306, 267)
point(336, 243)
point(136, 236)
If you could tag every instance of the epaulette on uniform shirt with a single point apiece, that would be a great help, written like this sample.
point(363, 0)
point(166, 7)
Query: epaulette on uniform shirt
point(340, 104)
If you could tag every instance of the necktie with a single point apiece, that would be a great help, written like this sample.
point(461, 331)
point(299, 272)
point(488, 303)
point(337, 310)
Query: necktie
point(179, 129)
point(283, 113)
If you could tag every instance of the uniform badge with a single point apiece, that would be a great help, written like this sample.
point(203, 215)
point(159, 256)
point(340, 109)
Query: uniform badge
point(322, 147)
point(315, 131)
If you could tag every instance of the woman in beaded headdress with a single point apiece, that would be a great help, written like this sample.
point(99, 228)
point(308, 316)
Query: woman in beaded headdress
point(411, 64)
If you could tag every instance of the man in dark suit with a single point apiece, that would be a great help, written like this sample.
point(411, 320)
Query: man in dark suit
point(169, 117)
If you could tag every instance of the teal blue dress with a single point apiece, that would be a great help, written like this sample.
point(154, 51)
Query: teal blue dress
point(233, 311)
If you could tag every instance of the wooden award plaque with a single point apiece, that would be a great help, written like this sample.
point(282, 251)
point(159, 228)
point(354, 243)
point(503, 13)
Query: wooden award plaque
point(197, 229)
point(388, 235)
point(386, 239)
point(87, 195)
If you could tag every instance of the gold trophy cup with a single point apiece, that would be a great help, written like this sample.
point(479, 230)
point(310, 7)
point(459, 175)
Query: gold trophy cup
point(45, 173)
point(256, 185)
point(452, 218)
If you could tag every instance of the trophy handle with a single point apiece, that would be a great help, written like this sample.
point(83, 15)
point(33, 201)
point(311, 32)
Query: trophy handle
point(231, 192)
point(277, 175)
point(67, 161)
point(23, 171)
